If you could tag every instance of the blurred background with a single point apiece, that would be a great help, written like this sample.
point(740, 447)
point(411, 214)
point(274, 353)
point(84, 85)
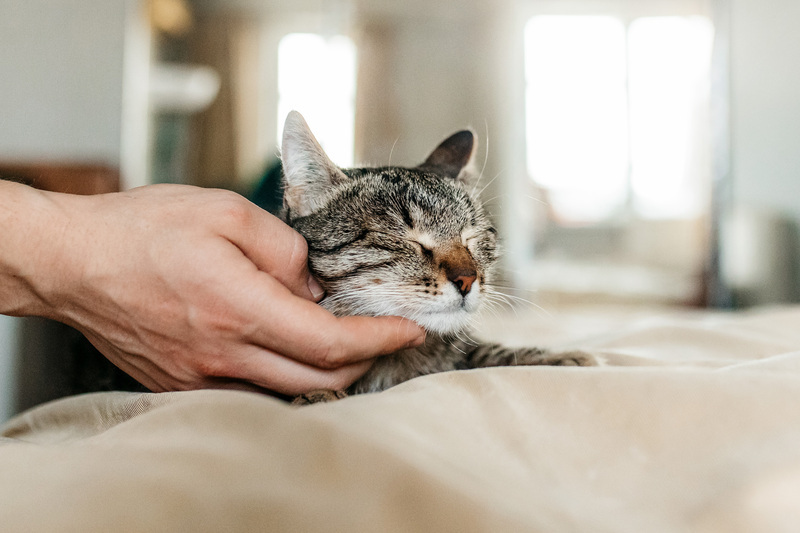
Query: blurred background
point(632, 151)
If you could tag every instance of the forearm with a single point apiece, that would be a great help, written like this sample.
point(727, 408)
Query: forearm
point(27, 249)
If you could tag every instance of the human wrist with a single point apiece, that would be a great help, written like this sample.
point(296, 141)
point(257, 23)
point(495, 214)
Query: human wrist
point(29, 221)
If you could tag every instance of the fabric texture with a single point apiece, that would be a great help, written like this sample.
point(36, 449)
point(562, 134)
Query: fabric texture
point(692, 425)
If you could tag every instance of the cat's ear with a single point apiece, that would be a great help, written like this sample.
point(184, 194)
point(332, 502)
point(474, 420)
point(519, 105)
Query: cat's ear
point(453, 157)
point(307, 170)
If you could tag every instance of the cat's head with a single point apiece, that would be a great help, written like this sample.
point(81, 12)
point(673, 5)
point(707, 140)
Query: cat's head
point(411, 242)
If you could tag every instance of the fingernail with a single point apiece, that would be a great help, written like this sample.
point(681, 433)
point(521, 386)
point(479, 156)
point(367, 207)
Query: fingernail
point(316, 290)
point(418, 341)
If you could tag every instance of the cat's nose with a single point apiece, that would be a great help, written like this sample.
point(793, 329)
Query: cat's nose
point(463, 280)
point(460, 268)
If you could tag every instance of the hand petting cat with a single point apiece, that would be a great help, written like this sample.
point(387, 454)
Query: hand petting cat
point(184, 288)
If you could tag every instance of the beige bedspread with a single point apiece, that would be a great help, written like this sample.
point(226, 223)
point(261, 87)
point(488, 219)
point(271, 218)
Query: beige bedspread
point(694, 425)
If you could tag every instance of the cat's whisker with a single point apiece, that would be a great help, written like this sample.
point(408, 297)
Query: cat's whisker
point(513, 297)
point(492, 199)
point(510, 305)
point(485, 160)
point(539, 200)
point(510, 299)
point(500, 298)
point(356, 292)
point(490, 182)
point(392, 150)
point(453, 337)
point(463, 336)
point(528, 196)
point(469, 339)
point(492, 307)
point(452, 344)
point(512, 288)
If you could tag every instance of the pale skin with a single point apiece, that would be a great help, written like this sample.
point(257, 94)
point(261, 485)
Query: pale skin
point(184, 288)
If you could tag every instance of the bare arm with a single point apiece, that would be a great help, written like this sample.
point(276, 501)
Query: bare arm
point(183, 288)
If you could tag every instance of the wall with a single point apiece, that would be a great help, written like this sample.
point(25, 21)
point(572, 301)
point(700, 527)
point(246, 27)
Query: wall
point(61, 79)
point(421, 83)
point(765, 104)
point(761, 248)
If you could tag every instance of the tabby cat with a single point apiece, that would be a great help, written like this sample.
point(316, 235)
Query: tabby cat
point(411, 242)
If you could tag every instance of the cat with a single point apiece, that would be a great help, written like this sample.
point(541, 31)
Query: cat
point(411, 242)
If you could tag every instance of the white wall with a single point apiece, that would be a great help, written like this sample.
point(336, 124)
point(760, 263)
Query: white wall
point(765, 104)
point(61, 79)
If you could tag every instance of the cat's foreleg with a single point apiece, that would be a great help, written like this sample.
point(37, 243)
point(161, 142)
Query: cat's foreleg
point(319, 396)
point(487, 355)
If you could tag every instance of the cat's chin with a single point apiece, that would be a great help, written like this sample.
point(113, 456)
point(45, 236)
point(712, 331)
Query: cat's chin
point(440, 319)
point(443, 323)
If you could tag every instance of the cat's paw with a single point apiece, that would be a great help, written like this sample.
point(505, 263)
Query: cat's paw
point(572, 358)
point(319, 396)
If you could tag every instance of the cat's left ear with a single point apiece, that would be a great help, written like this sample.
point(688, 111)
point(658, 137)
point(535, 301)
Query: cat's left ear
point(308, 171)
point(453, 157)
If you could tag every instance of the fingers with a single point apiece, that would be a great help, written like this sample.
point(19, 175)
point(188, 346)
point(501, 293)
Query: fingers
point(230, 300)
point(304, 331)
point(361, 337)
point(264, 369)
point(278, 250)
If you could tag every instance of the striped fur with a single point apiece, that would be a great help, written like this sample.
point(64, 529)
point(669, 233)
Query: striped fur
point(411, 242)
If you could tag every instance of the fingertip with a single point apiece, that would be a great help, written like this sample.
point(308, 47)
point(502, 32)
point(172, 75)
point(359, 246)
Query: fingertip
point(418, 340)
point(412, 332)
point(317, 292)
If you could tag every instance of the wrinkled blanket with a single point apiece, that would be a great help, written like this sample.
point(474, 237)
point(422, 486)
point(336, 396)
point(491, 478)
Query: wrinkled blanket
point(693, 425)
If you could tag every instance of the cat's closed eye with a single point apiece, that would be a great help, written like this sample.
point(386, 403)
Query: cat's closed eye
point(421, 248)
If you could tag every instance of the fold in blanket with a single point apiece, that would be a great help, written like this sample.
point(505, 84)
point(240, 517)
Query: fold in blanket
point(694, 425)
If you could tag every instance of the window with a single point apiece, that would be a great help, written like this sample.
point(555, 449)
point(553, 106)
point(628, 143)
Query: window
point(317, 77)
point(617, 115)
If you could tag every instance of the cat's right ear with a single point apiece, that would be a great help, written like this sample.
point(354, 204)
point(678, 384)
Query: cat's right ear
point(308, 171)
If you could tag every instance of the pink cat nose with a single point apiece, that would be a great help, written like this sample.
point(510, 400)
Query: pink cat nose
point(463, 282)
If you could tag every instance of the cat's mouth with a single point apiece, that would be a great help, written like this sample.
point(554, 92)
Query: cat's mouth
point(446, 313)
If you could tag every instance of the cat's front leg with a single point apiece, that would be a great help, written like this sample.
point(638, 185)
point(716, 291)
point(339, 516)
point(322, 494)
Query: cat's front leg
point(319, 396)
point(487, 355)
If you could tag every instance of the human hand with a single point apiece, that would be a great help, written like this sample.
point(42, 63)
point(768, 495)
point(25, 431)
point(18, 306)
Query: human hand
point(187, 288)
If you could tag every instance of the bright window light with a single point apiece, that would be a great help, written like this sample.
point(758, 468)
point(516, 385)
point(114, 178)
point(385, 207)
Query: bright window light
point(317, 77)
point(670, 58)
point(617, 114)
point(577, 122)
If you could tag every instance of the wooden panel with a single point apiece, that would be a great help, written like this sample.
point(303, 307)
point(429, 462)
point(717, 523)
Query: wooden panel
point(74, 178)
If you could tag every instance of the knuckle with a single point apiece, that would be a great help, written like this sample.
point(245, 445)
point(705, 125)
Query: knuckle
point(212, 366)
point(234, 209)
point(331, 357)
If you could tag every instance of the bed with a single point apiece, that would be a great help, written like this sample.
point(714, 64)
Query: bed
point(693, 424)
